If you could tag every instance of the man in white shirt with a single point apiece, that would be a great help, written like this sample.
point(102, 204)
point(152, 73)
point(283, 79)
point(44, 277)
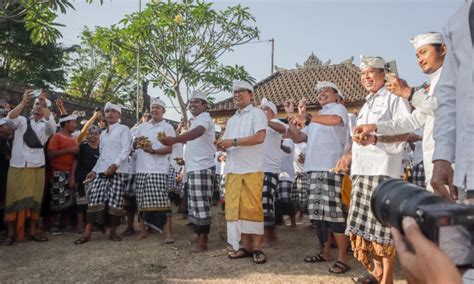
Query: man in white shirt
point(454, 130)
point(284, 204)
point(243, 141)
point(430, 51)
point(371, 164)
point(271, 168)
point(326, 138)
point(109, 176)
point(151, 172)
point(300, 194)
point(200, 167)
point(26, 175)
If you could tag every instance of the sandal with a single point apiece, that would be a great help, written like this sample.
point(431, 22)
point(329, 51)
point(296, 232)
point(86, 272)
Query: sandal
point(257, 257)
point(240, 253)
point(368, 278)
point(339, 267)
point(39, 238)
point(81, 240)
point(315, 258)
point(128, 232)
point(7, 242)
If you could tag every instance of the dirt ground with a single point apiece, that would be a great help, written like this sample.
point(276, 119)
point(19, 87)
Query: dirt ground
point(151, 260)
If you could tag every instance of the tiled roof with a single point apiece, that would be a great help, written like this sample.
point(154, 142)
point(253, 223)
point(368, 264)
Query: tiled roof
point(296, 83)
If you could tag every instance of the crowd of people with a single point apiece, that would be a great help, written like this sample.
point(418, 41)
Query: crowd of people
point(261, 168)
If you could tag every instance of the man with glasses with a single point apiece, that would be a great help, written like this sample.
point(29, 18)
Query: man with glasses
point(243, 142)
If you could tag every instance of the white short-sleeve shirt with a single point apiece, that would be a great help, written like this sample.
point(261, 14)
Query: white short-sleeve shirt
point(300, 148)
point(383, 158)
point(287, 168)
point(151, 163)
point(114, 146)
point(244, 123)
point(200, 152)
point(326, 144)
point(271, 150)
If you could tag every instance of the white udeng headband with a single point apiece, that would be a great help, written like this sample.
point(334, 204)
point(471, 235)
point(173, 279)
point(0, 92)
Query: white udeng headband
point(267, 103)
point(68, 118)
point(371, 61)
point(323, 84)
point(424, 39)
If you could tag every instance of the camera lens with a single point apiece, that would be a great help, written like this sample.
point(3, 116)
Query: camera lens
point(394, 199)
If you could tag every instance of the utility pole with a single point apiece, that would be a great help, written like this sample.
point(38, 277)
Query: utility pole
point(138, 67)
point(273, 53)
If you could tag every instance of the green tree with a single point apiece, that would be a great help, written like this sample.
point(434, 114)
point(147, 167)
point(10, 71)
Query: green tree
point(105, 73)
point(29, 63)
point(180, 45)
point(38, 16)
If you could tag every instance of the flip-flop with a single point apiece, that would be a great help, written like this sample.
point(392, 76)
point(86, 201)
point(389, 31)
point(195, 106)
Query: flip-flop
point(81, 240)
point(257, 257)
point(169, 241)
point(368, 278)
point(240, 253)
point(39, 238)
point(339, 267)
point(315, 258)
point(115, 239)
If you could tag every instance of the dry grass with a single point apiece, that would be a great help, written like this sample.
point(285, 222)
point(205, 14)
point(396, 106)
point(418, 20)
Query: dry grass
point(150, 260)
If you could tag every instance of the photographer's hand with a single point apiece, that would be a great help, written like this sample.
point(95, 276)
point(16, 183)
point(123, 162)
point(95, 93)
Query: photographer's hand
point(428, 264)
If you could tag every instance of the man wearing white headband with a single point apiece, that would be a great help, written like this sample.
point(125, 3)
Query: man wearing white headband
point(243, 140)
point(271, 168)
point(372, 162)
point(151, 172)
point(200, 166)
point(326, 138)
point(430, 51)
point(62, 149)
point(25, 182)
point(109, 176)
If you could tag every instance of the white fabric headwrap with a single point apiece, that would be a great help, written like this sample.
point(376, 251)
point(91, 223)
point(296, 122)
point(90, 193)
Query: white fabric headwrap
point(267, 103)
point(110, 105)
point(242, 85)
point(424, 39)
point(199, 95)
point(324, 84)
point(157, 101)
point(4, 121)
point(48, 102)
point(371, 61)
point(68, 118)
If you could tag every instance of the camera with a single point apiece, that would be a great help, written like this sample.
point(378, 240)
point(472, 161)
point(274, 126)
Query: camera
point(394, 199)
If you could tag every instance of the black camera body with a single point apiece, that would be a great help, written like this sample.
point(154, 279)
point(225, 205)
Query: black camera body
point(395, 199)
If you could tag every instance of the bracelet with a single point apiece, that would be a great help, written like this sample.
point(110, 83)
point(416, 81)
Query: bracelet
point(309, 117)
point(234, 142)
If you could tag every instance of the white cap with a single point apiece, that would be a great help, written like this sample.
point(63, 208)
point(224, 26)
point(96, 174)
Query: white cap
point(5, 121)
point(48, 102)
point(157, 101)
point(324, 84)
point(68, 118)
point(242, 85)
point(199, 95)
point(371, 61)
point(424, 39)
point(267, 103)
point(110, 105)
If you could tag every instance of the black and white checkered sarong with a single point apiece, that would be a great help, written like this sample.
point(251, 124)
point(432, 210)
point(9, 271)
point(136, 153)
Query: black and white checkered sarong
point(200, 187)
point(108, 191)
point(152, 192)
point(418, 175)
point(360, 220)
point(324, 200)
point(270, 184)
point(300, 191)
point(284, 193)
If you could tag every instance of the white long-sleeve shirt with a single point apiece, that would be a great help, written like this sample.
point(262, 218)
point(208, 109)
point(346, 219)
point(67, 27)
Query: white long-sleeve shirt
point(422, 116)
point(24, 156)
point(382, 159)
point(115, 146)
point(454, 118)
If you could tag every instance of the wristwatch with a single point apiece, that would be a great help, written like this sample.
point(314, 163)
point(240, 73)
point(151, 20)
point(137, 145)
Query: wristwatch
point(234, 142)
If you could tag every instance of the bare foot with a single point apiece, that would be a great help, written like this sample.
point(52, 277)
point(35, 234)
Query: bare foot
point(169, 240)
point(142, 235)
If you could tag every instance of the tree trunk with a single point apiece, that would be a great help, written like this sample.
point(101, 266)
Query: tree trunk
point(146, 97)
point(182, 106)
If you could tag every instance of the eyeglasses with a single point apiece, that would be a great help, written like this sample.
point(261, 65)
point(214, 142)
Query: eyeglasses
point(240, 91)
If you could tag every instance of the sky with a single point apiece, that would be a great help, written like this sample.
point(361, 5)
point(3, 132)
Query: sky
point(332, 29)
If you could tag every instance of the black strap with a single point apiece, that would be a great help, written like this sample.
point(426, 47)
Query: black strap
point(471, 22)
